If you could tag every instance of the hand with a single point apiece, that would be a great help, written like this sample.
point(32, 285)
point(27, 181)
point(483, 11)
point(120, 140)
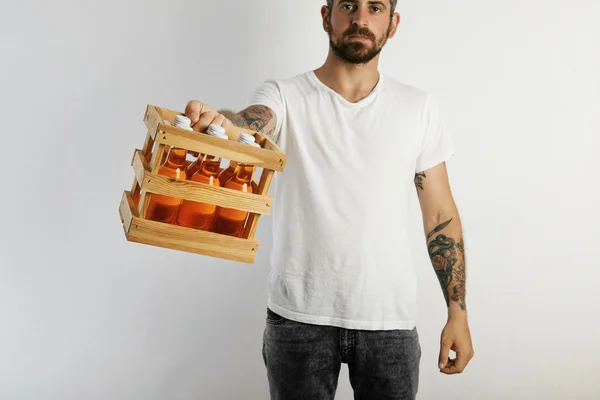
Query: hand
point(202, 115)
point(457, 337)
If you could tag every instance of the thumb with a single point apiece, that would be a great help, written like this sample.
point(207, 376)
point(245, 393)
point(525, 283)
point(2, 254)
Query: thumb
point(193, 110)
point(444, 351)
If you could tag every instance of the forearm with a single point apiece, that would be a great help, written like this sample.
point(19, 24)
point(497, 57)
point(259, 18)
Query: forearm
point(256, 118)
point(446, 250)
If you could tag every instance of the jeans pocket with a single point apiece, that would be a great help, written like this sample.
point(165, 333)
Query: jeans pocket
point(274, 318)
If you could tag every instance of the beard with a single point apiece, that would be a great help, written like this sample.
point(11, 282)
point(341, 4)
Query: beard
point(357, 51)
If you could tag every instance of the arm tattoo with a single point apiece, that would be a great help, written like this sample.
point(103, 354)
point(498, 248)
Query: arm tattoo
point(459, 291)
point(439, 228)
point(419, 180)
point(255, 118)
point(235, 118)
point(447, 257)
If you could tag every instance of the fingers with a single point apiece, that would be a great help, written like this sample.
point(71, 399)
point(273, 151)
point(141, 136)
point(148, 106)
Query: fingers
point(204, 121)
point(450, 367)
point(458, 364)
point(218, 120)
point(193, 110)
point(445, 346)
point(208, 118)
point(453, 366)
point(227, 124)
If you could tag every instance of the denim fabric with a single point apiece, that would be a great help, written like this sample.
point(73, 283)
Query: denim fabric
point(303, 361)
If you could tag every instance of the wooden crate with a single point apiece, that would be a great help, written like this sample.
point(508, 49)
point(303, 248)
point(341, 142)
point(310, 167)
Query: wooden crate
point(146, 162)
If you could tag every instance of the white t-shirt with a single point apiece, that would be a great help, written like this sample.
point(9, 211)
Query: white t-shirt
point(340, 251)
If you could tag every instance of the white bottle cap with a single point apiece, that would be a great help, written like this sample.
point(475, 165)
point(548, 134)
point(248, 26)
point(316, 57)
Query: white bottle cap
point(181, 121)
point(217, 131)
point(246, 137)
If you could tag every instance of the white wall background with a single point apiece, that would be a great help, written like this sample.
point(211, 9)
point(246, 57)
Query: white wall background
point(87, 315)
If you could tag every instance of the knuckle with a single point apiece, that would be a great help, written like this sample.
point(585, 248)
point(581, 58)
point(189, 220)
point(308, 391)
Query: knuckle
point(193, 104)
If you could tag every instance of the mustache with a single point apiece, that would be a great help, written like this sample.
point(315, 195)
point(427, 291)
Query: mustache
point(360, 31)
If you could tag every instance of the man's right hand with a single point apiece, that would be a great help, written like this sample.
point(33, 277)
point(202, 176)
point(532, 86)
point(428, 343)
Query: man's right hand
point(202, 115)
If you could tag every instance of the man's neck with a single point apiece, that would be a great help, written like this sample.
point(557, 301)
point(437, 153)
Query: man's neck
point(353, 82)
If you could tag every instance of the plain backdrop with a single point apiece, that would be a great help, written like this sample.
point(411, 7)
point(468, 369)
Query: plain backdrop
point(87, 315)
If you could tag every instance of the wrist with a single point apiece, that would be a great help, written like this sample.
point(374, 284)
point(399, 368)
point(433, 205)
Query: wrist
point(456, 311)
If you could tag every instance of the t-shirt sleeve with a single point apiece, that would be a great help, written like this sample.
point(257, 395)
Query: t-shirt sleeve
point(437, 146)
point(269, 94)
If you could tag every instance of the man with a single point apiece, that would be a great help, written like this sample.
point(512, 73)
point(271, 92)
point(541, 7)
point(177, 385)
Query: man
point(343, 283)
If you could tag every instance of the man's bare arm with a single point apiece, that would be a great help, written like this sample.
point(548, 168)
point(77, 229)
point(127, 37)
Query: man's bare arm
point(257, 118)
point(447, 252)
point(443, 230)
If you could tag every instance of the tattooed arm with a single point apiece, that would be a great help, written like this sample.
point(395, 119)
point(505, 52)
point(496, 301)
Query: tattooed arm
point(258, 118)
point(443, 231)
point(447, 252)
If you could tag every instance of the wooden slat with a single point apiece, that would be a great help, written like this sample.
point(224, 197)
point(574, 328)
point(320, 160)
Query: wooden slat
point(185, 239)
point(154, 166)
point(263, 190)
point(190, 190)
point(194, 191)
point(218, 147)
point(127, 211)
point(153, 120)
point(265, 182)
point(148, 147)
point(192, 241)
point(168, 115)
point(147, 152)
point(140, 167)
point(266, 143)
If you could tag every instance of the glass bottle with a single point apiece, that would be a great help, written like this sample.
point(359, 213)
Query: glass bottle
point(200, 215)
point(213, 130)
point(226, 174)
point(165, 208)
point(229, 221)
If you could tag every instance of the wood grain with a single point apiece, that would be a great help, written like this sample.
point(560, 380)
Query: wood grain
point(185, 239)
point(262, 189)
point(195, 191)
point(228, 149)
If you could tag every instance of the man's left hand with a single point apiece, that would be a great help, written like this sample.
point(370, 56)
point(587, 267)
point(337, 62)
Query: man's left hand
point(457, 337)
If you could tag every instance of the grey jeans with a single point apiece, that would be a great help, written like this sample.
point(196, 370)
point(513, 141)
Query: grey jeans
point(303, 361)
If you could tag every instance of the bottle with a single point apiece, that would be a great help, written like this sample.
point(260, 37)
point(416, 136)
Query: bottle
point(213, 130)
point(163, 208)
point(189, 159)
point(229, 221)
point(180, 121)
point(195, 214)
point(226, 174)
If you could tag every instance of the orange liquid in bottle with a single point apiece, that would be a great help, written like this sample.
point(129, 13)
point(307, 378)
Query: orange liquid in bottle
point(163, 159)
point(198, 215)
point(228, 173)
point(229, 221)
point(194, 166)
point(165, 208)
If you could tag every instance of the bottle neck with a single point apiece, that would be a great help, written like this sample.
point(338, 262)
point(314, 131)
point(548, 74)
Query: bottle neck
point(175, 158)
point(244, 173)
point(210, 166)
